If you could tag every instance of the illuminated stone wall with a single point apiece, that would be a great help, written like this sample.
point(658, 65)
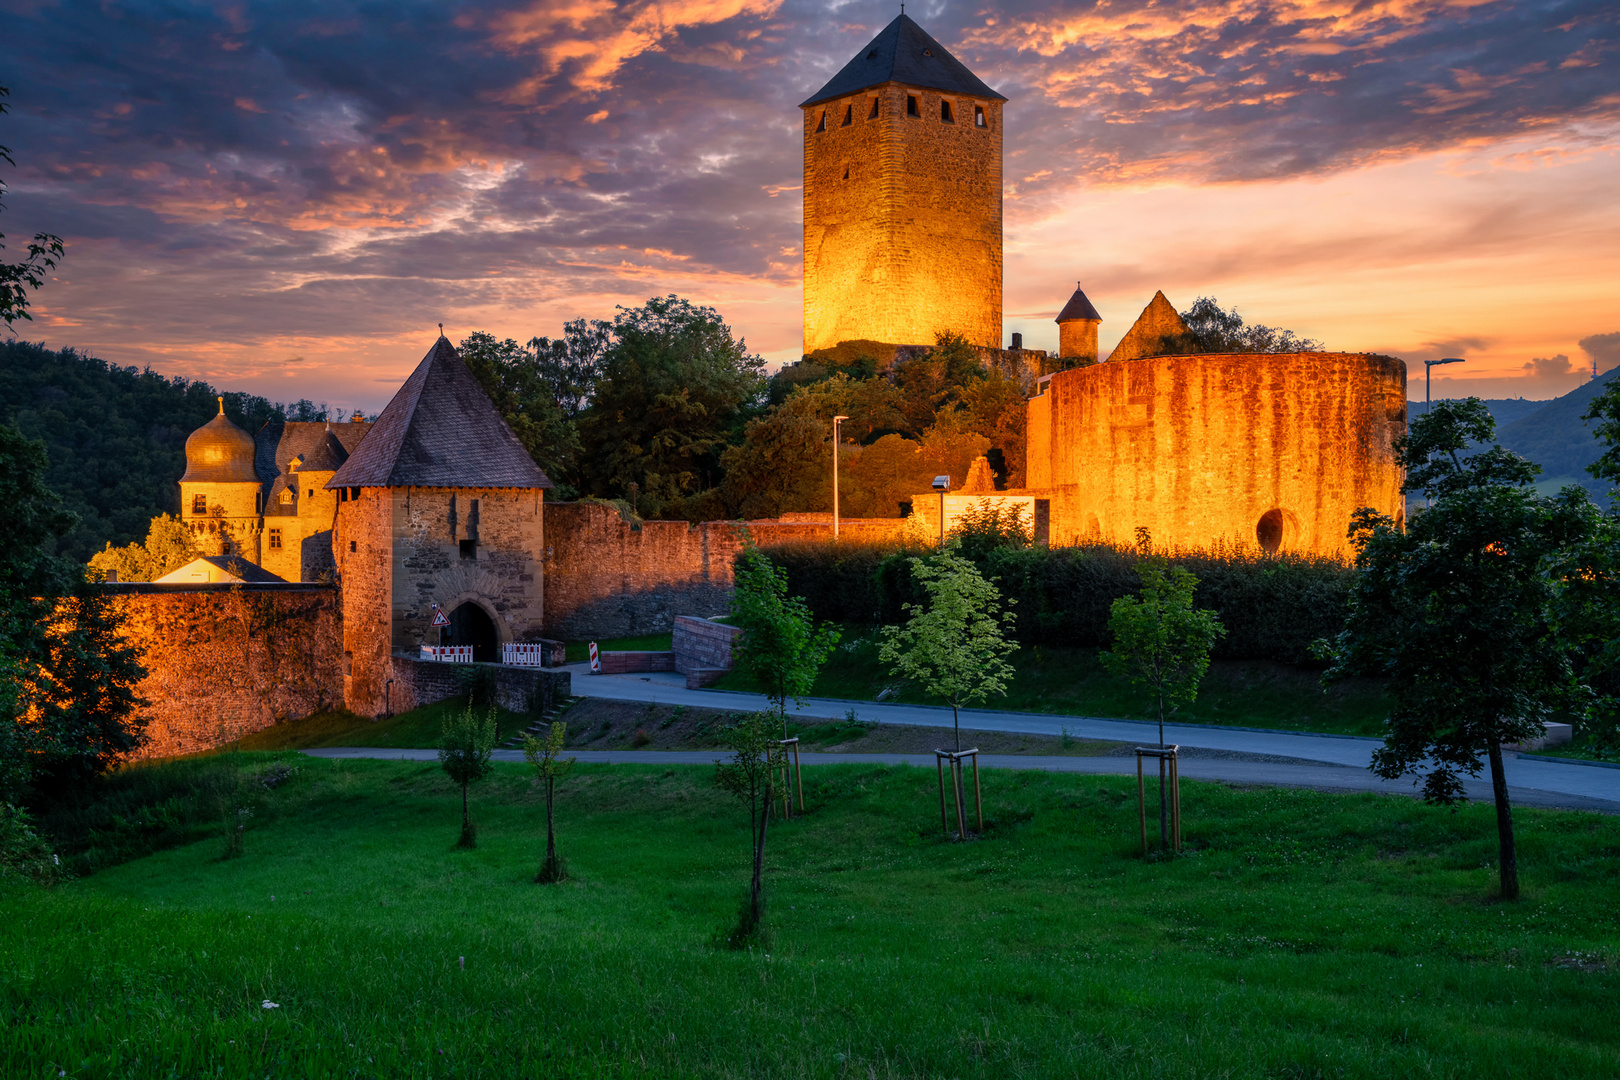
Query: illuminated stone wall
point(902, 219)
point(407, 556)
point(223, 661)
point(1251, 449)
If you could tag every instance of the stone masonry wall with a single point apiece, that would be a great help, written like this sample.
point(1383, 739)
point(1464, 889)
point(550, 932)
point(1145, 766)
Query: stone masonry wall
point(608, 578)
point(520, 689)
point(902, 219)
point(1224, 448)
point(702, 644)
point(225, 661)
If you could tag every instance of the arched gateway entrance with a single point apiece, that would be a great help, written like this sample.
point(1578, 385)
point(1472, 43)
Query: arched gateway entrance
point(471, 625)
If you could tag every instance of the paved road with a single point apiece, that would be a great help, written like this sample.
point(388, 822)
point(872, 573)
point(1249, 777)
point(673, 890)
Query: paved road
point(1589, 786)
point(1232, 770)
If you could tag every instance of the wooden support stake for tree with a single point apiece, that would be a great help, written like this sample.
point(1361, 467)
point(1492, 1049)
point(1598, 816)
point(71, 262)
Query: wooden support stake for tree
point(978, 796)
point(1175, 799)
point(798, 776)
point(1169, 758)
point(1141, 802)
point(956, 793)
point(939, 760)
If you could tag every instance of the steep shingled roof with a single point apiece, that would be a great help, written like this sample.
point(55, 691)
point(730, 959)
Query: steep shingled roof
point(904, 53)
point(278, 442)
point(1078, 308)
point(440, 430)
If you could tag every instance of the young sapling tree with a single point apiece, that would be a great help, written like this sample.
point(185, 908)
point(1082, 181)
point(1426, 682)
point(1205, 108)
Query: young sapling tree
point(1162, 643)
point(781, 648)
point(955, 646)
point(748, 774)
point(464, 749)
point(545, 757)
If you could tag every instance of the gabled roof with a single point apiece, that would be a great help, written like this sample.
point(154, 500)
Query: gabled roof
point(904, 53)
point(1158, 331)
point(1078, 308)
point(440, 430)
point(224, 568)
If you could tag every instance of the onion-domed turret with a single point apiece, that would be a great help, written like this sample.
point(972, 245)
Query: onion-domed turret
point(219, 452)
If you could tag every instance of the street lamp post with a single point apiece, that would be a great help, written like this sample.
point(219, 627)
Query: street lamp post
point(1428, 378)
point(942, 484)
point(837, 420)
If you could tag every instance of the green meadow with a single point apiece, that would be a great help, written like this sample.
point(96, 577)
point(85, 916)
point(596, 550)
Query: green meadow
point(1300, 934)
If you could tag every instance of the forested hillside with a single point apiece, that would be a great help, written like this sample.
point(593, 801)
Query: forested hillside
point(1551, 433)
point(116, 435)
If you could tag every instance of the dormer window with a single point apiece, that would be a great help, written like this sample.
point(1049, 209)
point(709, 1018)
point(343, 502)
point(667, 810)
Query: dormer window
point(911, 105)
point(978, 116)
point(874, 113)
point(822, 124)
point(849, 116)
point(286, 498)
point(945, 113)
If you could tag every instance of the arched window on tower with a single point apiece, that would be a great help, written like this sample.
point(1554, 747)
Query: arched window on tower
point(849, 116)
point(822, 124)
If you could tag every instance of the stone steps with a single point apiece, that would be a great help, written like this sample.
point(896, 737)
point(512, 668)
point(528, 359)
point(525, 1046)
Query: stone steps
point(540, 726)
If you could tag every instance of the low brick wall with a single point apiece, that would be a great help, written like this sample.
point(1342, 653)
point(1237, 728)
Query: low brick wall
point(520, 689)
point(628, 663)
point(224, 661)
point(701, 644)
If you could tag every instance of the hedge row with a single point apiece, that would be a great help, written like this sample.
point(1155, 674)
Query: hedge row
point(1273, 607)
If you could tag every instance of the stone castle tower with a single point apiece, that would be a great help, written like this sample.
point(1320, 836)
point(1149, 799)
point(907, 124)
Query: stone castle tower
point(902, 198)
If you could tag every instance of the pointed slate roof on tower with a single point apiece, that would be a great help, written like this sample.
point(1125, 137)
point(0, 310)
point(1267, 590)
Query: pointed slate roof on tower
point(1158, 331)
point(904, 53)
point(441, 430)
point(1078, 308)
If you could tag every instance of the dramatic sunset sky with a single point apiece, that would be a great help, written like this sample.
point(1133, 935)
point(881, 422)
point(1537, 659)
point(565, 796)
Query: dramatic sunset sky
point(287, 196)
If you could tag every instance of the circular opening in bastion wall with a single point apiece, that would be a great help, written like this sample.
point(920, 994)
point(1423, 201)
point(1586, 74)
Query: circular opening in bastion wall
point(1277, 530)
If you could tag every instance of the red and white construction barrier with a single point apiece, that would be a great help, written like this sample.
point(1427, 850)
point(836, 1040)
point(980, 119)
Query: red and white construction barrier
point(523, 654)
point(596, 661)
point(448, 654)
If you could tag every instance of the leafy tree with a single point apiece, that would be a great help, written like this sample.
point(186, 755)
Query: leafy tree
point(781, 647)
point(1458, 611)
point(755, 759)
point(70, 705)
point(783, 464)
point(675, 389)
point(569, 366)
point(1605, 409)
point(1161, 641)
point(169, 546)
point(955, 646)
point(1216, 330)
point(519, 383)
point(1162, 644)
point(549, 766)
point(43, 252)
point(464, 749)
point(988, 526)
point(938, 378)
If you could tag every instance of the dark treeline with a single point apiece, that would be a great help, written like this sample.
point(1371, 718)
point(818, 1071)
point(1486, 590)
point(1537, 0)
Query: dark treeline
point(115, 436)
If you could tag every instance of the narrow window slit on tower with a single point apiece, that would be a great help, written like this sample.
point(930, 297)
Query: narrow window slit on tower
point(911, 105)
point(822, 124)
point(849, 116)
point(873, 114)
point(978, 116)
point(846, 172)
point(945, 112)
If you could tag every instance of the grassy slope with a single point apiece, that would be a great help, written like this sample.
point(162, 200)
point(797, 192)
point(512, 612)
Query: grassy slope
point(1073, 682)
point(1303, 935)
point(417, 728)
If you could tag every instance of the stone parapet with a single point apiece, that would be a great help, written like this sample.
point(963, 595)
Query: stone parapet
point(703, 644)
point(518, 689)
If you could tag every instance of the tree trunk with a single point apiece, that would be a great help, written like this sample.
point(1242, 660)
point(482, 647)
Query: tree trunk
point(956, 725)
point(551, 832)
point(1504, 825)
point(1164, 820)
point(756, 902)
point(466, 819)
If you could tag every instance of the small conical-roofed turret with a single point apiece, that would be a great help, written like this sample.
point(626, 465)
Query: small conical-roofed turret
point(220, 452)
point(1077, 329)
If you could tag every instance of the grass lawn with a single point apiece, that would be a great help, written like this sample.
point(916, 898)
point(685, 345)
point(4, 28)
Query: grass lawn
point(580, 651)
point(1302, 935)
point(1072, 682)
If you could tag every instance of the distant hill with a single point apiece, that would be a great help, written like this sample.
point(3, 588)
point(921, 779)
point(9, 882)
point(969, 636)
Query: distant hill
point(1551, 433)
point(116, 436)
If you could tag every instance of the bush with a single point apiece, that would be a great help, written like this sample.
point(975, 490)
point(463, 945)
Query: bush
point(1273, 606)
